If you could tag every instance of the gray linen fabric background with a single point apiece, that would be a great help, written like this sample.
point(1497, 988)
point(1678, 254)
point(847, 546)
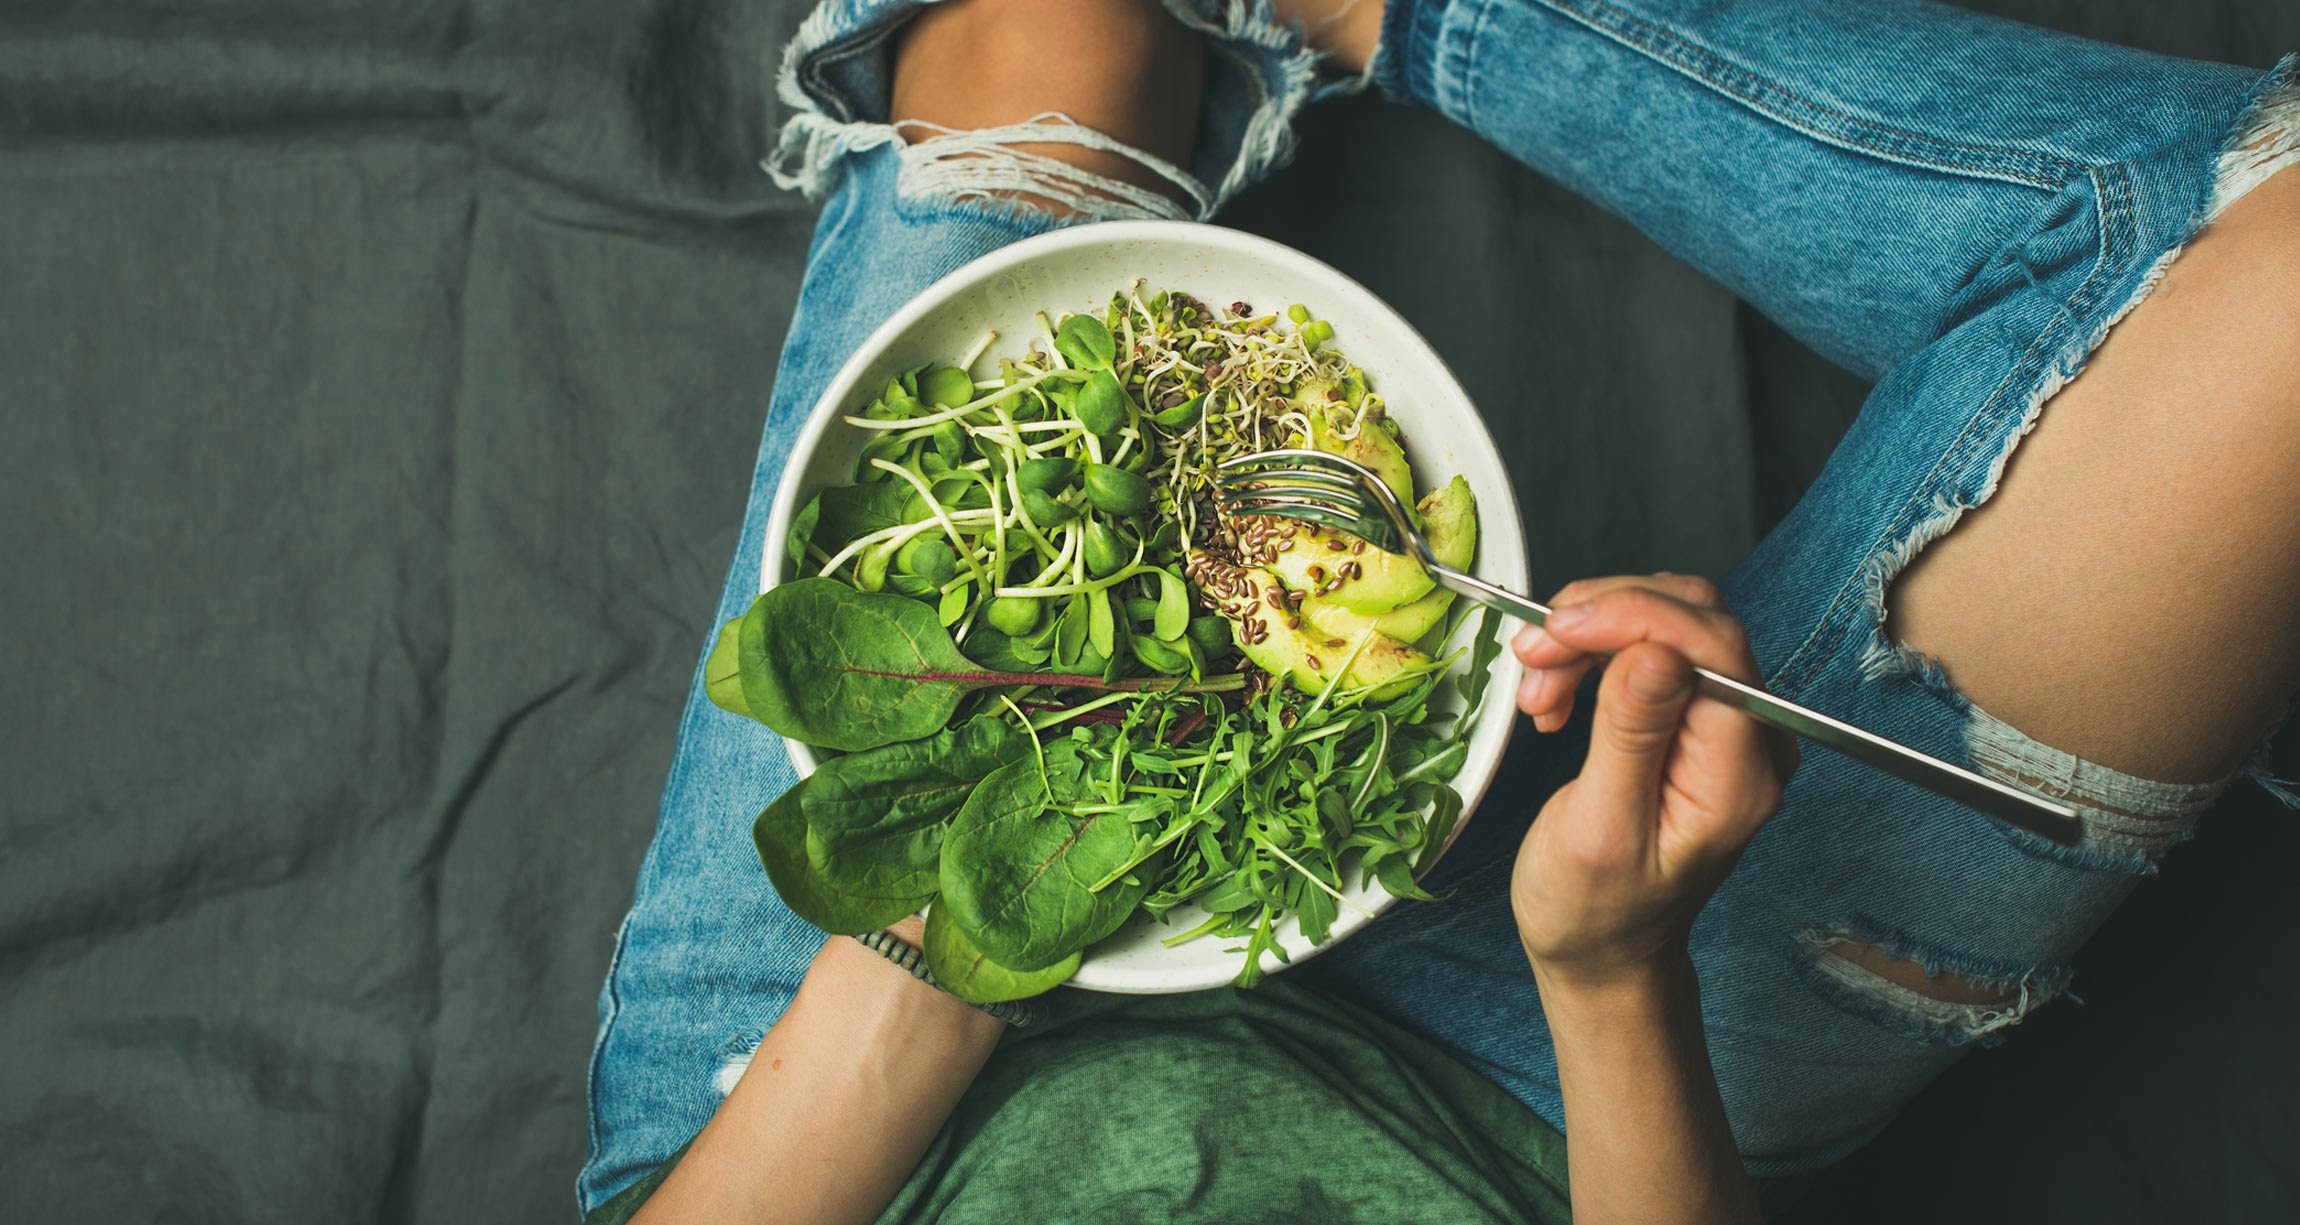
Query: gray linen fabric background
point(378, 390)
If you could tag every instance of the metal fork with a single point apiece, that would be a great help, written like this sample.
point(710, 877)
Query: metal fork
point(1318, 487)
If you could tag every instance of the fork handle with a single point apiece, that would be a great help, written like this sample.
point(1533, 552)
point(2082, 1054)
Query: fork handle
point(2036, 814)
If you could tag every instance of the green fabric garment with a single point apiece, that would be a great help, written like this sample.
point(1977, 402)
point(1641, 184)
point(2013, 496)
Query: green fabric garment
point(1275, 1105)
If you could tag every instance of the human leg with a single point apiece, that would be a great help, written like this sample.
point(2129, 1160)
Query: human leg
point(708, 957)
point(1815, 163)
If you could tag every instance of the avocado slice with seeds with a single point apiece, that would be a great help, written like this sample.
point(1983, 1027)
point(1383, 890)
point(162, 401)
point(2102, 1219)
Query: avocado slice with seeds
point(1449, 519)
point(1244, 596)
point(1375, 446)
point(1384, 580)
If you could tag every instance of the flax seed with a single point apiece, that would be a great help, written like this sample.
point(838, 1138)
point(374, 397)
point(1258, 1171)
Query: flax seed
point(1336, 545)
point(1293, 623)
point(1315, 664)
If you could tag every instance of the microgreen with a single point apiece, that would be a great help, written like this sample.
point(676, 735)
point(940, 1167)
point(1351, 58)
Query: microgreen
point(1034, 732)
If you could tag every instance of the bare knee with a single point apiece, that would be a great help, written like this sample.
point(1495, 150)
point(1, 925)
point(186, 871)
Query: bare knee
point(1125, 83)
point(2128, 592)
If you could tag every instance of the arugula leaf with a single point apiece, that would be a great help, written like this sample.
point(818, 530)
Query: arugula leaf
point(968, 973)
point(1018, 868)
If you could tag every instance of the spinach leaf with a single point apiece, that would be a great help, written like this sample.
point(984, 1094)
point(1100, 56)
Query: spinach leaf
point(1018, 873)
point(842, 897)
point(852, 670)
point(992, 649)
point(889, 804)
point(723, 671)
point(849, 512)
point(968, 973)
point(803, 530)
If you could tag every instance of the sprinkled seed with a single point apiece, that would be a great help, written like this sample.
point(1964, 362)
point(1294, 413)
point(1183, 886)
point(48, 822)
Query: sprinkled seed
point(1353, 570)
point(1334, 642)
point(1317, 573)
point(1283, 545)
point(1293, 623)
point(1359, 547)
point(1315, 664)
point(1336, 545)
point(1334, 393)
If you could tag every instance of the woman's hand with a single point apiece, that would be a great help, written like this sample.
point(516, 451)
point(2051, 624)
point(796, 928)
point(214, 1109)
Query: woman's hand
point(1611, 875)
point(1624, 856)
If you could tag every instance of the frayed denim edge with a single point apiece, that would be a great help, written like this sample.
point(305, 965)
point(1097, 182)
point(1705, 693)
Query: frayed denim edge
point(1914, 1014)
point(2264, 139)
point(980, 167)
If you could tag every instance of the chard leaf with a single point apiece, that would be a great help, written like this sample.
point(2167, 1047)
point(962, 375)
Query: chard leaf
point(968, 973)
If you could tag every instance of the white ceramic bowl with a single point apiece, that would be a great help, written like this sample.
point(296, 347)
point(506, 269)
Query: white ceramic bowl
point(1077, 269)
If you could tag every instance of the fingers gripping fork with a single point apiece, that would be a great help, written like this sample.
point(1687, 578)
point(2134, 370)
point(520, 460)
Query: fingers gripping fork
point(1326, 489)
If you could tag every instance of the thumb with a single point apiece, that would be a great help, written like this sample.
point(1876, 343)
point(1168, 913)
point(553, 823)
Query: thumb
point(1640, 706)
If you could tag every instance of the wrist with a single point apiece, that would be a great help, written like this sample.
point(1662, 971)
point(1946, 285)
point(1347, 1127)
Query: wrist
point(884, 996)
point(1643, 987)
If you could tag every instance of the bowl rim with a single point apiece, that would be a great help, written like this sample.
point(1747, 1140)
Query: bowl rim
point(1497, 708)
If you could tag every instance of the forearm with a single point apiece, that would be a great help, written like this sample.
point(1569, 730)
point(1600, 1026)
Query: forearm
point(842, 1097)
point(1646, 1135)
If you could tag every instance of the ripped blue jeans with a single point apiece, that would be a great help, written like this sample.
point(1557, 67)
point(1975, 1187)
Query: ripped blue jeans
point(1955, 206)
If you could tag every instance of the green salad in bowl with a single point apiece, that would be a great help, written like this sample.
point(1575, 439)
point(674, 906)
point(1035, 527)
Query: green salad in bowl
point(1050, 693)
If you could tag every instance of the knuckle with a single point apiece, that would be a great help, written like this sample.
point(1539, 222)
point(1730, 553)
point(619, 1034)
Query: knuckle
point(1700, 591)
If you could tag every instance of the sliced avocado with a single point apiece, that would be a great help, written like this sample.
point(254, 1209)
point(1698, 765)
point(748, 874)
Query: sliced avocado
point(1375, 446)
point(1249, 597)
point(1449, 517)
point(1311, 565)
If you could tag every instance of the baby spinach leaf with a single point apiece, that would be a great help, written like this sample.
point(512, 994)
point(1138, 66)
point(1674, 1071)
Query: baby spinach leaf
point(968, 973)
point(849, 670)
point(841, 897)
point(848, 512)
point(1018, 875)
point(723, 671)
point(992, 649)
point(803, 530)
point(852, 670)
point(889, 804)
